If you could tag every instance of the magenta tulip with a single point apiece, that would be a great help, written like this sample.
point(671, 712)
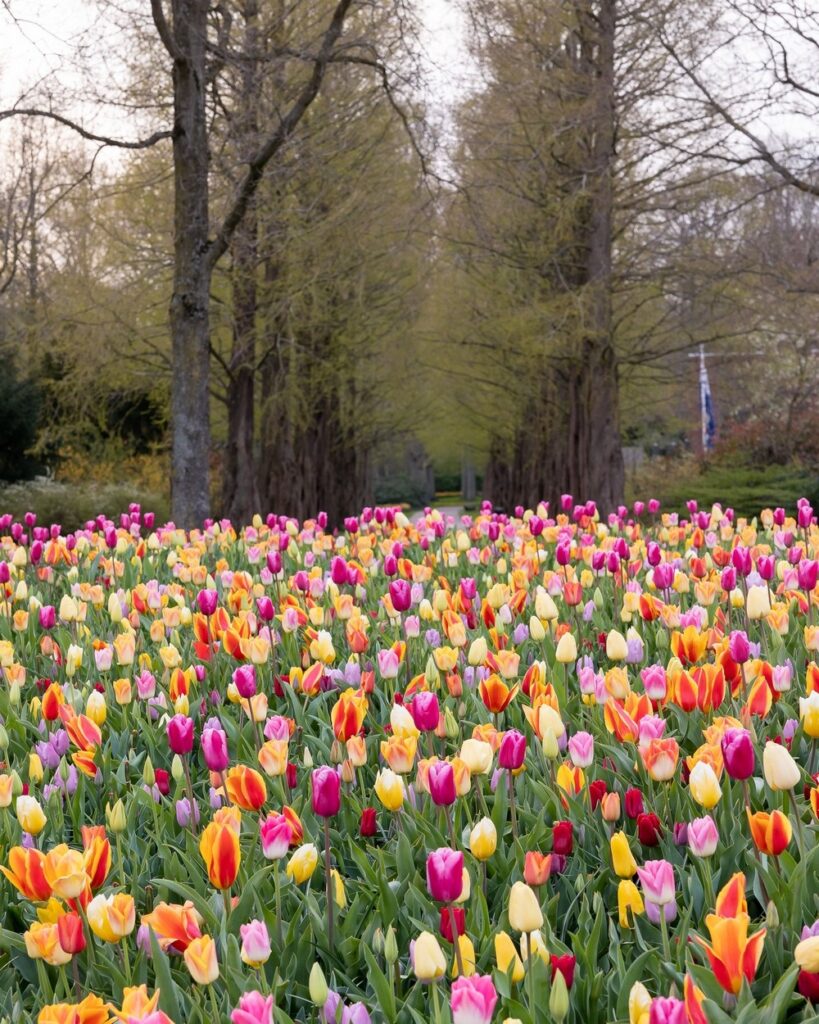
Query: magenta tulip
point(738, 753)
point(180, 734)
point(442, 784)
point(326, 792)
point(512, 750)
point(445, 869)
point(425, 711)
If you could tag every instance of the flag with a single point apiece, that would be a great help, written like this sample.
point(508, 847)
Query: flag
point(709, 426)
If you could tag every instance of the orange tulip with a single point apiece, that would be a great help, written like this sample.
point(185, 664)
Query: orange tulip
point(348, 714)
point(295, 825)
point(660, 758)
point(64, 871)
point(702, 687)
point(399, 752)
point(91, 1010)
point(273, 757)
point(26, 872)
point(689, 646)
point(220, 851)
point(138, 1005)
point(495, 694)
point(731, 953)
point(694, 998)
point(175, 926)
point(246, 787)
point(537, 867)
point(53, 698)
point(771, 833)
point(97, 854)
point(83, 733)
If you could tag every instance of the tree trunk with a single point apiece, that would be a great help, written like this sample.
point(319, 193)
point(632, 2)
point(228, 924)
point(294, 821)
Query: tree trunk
point(189, 310)
point(240, 493)
point(599, 456)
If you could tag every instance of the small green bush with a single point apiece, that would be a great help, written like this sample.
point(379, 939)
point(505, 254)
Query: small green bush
point(73, 504)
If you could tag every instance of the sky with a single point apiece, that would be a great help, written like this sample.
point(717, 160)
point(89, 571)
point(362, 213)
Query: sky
point(46, 31)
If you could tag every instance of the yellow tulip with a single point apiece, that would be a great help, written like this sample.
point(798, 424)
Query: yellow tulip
point(200, 959)
point(111, 918)
point(477, 755)
point(467, 956)
point(704, 786)
point(525, 914)
point(507, 957)
point(30, 815)
point(639, 1004)
point(428, 963)
point(806, 954)
point(616, 646)
point(622, 858)
point(483, 839)
point(566, 652)
point(780, 769)
point(303, 863)
point(389, 789)
point(629, 901)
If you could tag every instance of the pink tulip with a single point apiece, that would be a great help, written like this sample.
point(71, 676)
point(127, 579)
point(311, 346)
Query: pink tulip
point(473, 999)
point(425, 711)
point(581, 749)
point(738, 753)
point(703, 836)
point(738, 647)
point(48, 616)
point(255, 942)
point(445, 869)
point(663, 576)
point(253, 1008)
point(338, 571)
point(264, 606)
point(512, 750)
point(388, 663)
point(400, 595)
point(655, 682)
point(207, 600)
point(244, 679)
point(442, 784)
point(326, 792)
point(180, 734)
point(277, 727)
point(667, 1011)
point(657, 880)
point(214, 747)
point(276, 834)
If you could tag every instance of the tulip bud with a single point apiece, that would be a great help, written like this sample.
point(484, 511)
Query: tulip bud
point(549, 743)
point(307, 758)
point(115, 817)
point(64, 769)
point(318, 985)
point(451, 724)
point(771, 915)
point(177, 768)
point(431, 674)
point(14, 694)
point(390, 946)
point(559, 997)
point(4, 738)
point(599, 600)
point(148, 775)
point(16, 784)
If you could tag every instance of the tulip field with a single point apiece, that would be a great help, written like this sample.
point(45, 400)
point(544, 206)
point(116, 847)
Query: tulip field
point(535, 767)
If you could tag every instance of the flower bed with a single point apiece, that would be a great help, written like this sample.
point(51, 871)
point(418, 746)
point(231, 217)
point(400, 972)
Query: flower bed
point(538, 767)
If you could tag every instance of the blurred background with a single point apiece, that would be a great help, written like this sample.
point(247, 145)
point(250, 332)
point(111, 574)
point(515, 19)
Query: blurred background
point(509, 249)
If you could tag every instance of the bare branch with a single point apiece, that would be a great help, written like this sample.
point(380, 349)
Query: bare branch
point(105, 140)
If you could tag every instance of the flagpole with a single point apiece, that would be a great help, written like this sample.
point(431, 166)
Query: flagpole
point(703, 404)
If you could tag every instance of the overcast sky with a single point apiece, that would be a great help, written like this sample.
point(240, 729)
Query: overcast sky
point(46, 30)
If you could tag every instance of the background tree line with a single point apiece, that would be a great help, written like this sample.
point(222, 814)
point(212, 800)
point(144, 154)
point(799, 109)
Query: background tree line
point(270, 276)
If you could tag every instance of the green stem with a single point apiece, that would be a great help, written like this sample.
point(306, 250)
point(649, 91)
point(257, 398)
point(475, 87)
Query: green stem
point(328, 883)
point(277, 887)
point(436, 1004)
point(530, 971)
point(664, 931)
point(800, 838)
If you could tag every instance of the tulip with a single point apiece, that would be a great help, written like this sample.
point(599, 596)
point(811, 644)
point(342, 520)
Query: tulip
point(616, 646)
point(253, 1008)
point(704, 785)
point(780, 769)
point(400, 594)
point(477, 756)
point(566, 652)
point(26, 872)
point(739, 647)
point(806, 954)
point(303, 863)
point(111, 918)
point(758, 603)
point(64, 872)
point(771, 833)
point(581, 749)
point(70, 933)
point(809, 714)
point(326, 792)
point(255, 943)
point(738, 753)
point(276, 834)
point(562, 838)
point(703, 836)
point(390, 789)
point(731, 953)
point(537, 868)
point(245, 787)
point(639, 1004)
point(425, 711)
point(657, 880)
point(473, 1000)
point(214, 747)
point(566, 964)
point(180, 734)
point(42, 942)
point(30, 815)
point(200, 959)
point(445, 869)
point(525, 914)
point(512, 750)
point(667, 1011)
point(629, 902)
point(219, 847)
point(483, 839)
point(428, 963)
point(442, 784)
point(507, 959)
point(622, 858)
